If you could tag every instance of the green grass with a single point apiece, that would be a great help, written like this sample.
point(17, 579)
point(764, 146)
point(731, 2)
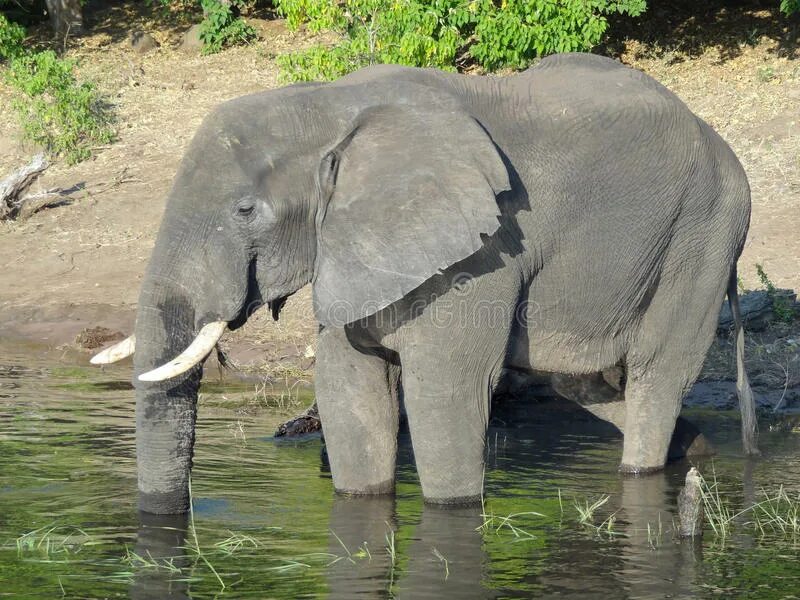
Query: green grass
point(778, 513)
point(497, 524)
point(57, 540)
point(148, 562)
point(196, 546)
point(236, 541)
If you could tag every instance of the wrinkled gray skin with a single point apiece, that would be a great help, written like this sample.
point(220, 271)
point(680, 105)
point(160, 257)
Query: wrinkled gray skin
point(568, 219)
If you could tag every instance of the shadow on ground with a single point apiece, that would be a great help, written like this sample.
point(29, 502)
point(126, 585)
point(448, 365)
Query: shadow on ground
point(680, 30)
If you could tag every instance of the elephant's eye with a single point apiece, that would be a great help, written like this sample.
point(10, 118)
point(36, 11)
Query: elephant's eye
point(245, 209)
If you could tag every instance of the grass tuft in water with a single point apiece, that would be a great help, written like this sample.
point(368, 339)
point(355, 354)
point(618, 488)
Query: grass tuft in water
point(586, 509)
point(54, 539)
point(236, 542)
point(655, 534)
point(778, 513)
point(137, 561)
point(495, 524)
point(196, 547)
point(717, 511)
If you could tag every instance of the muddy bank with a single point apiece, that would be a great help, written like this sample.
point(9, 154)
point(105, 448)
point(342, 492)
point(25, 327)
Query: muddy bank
point(284, 351)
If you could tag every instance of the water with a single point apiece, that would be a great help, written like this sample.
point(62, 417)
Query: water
point(267, 524)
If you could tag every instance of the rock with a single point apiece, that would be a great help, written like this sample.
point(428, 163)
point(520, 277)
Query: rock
point(142, 42)
point(756, 308)
point(690, 506)
point(307, 422)
point(97, 337)
point(191, 40)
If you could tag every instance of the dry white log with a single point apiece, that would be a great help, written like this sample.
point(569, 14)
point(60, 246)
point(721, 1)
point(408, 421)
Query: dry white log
point(13, 186)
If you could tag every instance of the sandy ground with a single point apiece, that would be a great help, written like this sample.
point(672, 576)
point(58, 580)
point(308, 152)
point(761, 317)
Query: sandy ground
point(78, 266)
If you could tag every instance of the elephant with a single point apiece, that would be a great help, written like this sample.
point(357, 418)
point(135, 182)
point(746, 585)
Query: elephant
point(570, 218)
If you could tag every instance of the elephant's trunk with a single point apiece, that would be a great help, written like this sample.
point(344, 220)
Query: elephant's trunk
point(166, 410)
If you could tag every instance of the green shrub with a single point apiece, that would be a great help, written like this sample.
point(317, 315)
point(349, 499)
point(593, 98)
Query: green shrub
point(444, 33)
point(789, 7)
point(55, 110)
point(781, 305)
point(518, 31)
point(11, 36)
point(222, 27)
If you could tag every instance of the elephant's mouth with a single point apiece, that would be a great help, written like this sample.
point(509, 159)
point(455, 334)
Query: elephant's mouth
point(255, 300)
point(206, 339)
point(252, 304)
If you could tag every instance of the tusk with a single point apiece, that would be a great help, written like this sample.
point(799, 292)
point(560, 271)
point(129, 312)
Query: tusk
point(123, 349)
point(203, 344)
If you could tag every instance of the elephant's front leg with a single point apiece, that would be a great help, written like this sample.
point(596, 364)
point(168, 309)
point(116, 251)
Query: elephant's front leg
point(358, 406)
point(446, 396)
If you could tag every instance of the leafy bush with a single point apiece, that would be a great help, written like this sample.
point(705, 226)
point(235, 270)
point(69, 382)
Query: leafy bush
point(513, 34)
point(222, 27)
point(789, 7)
point(11, 36)
point(444, 33)
point(55, 110)
point(781, 305)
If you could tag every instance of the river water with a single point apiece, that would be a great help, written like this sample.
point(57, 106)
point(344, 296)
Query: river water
point(266, 523)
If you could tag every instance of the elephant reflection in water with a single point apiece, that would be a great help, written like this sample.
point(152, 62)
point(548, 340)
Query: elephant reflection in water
point(161, 538)
point(579, 568)
point(445, 557)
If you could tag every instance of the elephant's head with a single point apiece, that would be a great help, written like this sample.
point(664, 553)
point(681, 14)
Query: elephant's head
point(349, 186)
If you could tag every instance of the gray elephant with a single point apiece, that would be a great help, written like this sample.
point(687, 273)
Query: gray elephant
point(568, 219)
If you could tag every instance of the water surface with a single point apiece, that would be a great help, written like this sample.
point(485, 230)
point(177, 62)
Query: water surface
point(267, 525)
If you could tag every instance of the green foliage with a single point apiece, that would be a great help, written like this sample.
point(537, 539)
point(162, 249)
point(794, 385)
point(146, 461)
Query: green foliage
point(789, 7)
point(781, 305)
point(55, 110)
point(222, 27)
point(444, 33)
point(517, 31)
point(11, 36)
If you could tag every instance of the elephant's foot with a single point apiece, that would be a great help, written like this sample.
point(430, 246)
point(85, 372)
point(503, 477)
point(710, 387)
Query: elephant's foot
point(472, 500)
point(635, 470)
point(368, 489)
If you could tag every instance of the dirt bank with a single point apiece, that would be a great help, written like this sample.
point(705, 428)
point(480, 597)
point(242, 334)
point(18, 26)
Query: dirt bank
point(80, 265)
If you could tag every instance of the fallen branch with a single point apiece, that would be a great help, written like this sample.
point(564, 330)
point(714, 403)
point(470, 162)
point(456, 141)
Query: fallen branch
point(13, 186)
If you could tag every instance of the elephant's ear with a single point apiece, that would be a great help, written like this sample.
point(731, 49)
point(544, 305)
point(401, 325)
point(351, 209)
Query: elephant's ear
point(409, 192)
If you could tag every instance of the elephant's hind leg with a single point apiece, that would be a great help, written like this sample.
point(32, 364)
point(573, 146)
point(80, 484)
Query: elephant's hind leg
point(652, 404)
point(602, 395)
point(358, 405)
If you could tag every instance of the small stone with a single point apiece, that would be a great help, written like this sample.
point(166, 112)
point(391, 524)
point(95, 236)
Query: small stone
point(191, 40)
point(690, 506)
point(142, 42)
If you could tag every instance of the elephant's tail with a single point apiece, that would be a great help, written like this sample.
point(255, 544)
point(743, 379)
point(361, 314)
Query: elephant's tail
point(747, 404)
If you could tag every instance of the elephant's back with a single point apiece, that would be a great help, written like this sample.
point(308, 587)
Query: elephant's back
point(627, 192)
